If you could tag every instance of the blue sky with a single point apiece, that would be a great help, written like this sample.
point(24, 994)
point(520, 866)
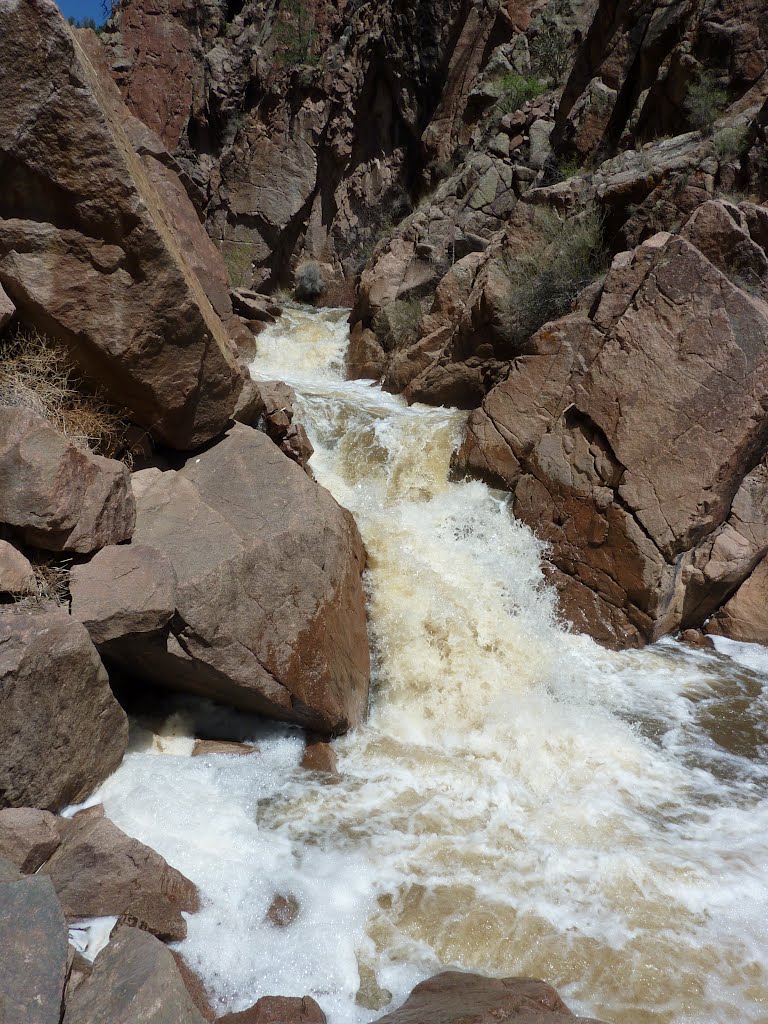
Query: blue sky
point(82, 9)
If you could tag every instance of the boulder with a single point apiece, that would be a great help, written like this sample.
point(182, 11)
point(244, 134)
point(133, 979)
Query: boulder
point(745, 616)
point(86, 252)
point(270, 405)
point(134, 981)
point(653, 513)
point(319, 756)
point(270, 613)
point(16, 575)
point(278, 1010)
point(29, 837)
point(454, 997)
point(204, 748)
point(54, 495)
point(7, 309)
point(123, 591)
point(33, 940)
point(61, 730)
point(99, 871)
point(283, 910)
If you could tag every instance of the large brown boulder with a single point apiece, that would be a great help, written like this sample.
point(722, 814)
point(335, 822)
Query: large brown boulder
point(86, 253)
point(28, 836)
point(16, 575)
point(61, 730)
point(134, 981)
point(745, 616)
point(627, 436)
point(270, 613)
point(99, 871)
point(33, 952)
point(455, 997)
point(123, 590)
point(56, 496)
point(278, 1010)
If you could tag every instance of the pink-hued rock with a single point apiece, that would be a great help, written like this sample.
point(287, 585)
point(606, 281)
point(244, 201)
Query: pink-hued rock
point(454, 997)
point(56, 496)
point(122, 591)
point(61, 730)
point(16, 575)
point(99, 871)
point(88, 254)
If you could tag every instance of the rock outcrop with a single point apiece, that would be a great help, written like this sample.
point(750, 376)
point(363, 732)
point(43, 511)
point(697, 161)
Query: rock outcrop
point(453, 997)
point(670, 348)
point(99, 871)
point(61, 730)
point(34, 961)
point(88, 252)
point(134, 981)
point(55, 496)
point(269, 610)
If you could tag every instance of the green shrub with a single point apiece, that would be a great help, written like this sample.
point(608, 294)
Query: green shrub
point(309, 284)
point(238, 258)
point(545, 281)
point(731, 143)
point(294, 34)
point(397, 324)
point(705, 101)
point(514, 90)
point(551, 53)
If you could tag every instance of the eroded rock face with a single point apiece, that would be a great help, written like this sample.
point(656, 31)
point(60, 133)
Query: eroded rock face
point(455, 996)
point(88, 254)
point(625, 436)
point(269, 611)
point(33, 939)
point(134, 981)
point(56, 496)
point(61, 730)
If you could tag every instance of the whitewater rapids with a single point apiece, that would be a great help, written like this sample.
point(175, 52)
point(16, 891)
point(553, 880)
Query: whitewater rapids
point(520, 801)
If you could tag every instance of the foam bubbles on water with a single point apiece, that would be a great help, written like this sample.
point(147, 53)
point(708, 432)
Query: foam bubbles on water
point(521, 801)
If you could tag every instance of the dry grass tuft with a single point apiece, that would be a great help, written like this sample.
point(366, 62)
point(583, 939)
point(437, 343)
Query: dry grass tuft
point(36, 374)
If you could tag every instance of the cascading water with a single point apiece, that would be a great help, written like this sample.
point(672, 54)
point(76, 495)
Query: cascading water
point(520, 801)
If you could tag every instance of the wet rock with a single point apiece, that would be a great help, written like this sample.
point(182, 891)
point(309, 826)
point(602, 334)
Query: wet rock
point(366, 358)
point(16, 576)
point(99, 871)
point(203, 748)
point(33, 940)
point(455, 997)
point(278, 1010)
point(195, 987)
point(253, 306)
point(123, 591)
point(283, 911)
point(319, 756)
point(695, 638)
point(135, 980)
point(55, 496)
point(270, 406)
point(156, 916)
point(29, 837)
point(61, 730)
point(270, 613)
point(745, 616)
point(79, 970)
point(86, 252)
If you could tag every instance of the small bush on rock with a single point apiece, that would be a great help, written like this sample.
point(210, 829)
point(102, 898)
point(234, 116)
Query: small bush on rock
point(397, 324)
point(36, 374)
point(514, 90)
point(238, 258)
point(545, 281)
point(551, 53)
point(731, 143)
point(309, 284)
point(705, 101)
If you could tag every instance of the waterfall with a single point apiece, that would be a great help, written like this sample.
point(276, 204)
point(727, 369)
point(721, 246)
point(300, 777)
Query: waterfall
point(520, 801)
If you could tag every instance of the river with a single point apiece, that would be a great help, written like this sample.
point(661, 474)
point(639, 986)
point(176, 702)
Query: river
point(519, 802)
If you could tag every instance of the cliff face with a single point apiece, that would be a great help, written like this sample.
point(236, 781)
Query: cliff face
point(312, 128)
point(475, 170)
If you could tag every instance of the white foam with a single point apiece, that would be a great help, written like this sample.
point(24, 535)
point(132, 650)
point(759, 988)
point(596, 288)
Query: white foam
point(521, 801)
